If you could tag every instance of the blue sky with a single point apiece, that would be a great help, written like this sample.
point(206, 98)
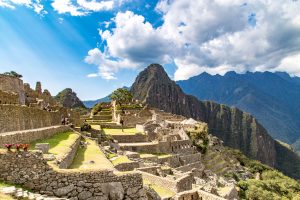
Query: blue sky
point(97, 46)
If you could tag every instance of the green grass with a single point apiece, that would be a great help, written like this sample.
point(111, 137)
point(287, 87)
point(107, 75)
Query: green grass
point(91, 153)
point(111, 155)
point(159, 155)
point(161, 191)
point(59, 143)
point(127, 131)
point(121, 159)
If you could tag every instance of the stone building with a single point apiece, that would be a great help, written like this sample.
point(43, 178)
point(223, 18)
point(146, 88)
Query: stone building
point(12, 85)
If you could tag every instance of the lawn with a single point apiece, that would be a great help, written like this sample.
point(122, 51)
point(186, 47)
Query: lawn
point(161, 191)
point(59, 143)
point(121, 159)
point(126, 131)
point(92, 153)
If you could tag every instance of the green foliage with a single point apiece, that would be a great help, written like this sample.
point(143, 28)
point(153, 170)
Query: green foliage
point(253, 165)
point(274, 185)
point(199, 137)
point(97, 108)
point(121, 96)
point(85, 127)
point(13, 74)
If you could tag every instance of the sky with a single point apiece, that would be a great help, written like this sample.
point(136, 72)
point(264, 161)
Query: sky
point(96, 46)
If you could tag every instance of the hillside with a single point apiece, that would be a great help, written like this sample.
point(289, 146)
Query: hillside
point(67, 98)
point(272, 98)
point(236, 128)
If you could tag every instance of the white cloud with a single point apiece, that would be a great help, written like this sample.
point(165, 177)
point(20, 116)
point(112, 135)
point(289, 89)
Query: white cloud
point(81, 7)
point(290, 64)
point(133, 43)
point(34, 4)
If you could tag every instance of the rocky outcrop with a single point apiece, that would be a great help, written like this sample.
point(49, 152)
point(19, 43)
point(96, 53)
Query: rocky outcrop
point(67, 98)
point(236, 128)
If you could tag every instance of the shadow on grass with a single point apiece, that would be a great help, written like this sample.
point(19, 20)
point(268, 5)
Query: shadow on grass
point(79, 158)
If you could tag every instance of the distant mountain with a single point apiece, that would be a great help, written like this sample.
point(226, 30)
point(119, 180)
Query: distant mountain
point(67, 98)
point(273, 98)
point(236, 128)
point(91, 103)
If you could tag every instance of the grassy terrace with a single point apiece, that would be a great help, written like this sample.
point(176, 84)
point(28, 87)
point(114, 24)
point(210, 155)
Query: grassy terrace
point(92, 153)
point(162, 192)
point(121, 159)
point(60, 143)
point(160, 155)
point(127, 131)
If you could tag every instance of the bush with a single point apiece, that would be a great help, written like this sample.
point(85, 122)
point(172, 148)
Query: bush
point(85, 127)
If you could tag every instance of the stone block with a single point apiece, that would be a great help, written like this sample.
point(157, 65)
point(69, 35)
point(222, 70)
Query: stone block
point(44, 147)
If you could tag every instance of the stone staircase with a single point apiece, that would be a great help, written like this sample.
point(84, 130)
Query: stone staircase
point(21, 194)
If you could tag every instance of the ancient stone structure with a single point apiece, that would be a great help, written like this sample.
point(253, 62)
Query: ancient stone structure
point(28, 136)
point(14, 85)
point(8, 97)
point(31, 170)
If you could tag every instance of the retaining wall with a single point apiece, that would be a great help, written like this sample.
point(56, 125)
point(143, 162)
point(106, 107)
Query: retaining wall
point(28, 136)
point(130, 138)
point(130, 166)
point(66, 161)
point(31, 170)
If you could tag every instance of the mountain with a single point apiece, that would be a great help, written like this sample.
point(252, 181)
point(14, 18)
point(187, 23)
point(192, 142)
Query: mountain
point(273, 98)
point(67, 98)
point(91, 103)
point(236, 128)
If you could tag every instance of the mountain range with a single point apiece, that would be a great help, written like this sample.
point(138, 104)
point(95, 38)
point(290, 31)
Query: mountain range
point(272, 98)
point(236, 128)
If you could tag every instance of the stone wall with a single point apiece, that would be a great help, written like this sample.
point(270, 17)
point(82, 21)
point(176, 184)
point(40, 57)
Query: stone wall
point(182, 184)
point(189, 167)
point(28, 136)
point(67, 159)
point(196, 195)
point(8, 97)
point(31, 170)
point(130, 138)
point(130, 166)
point(13, 84)
point(192, 158)
point(16, 117)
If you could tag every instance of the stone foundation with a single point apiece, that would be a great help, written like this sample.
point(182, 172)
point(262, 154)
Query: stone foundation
point(31, 170)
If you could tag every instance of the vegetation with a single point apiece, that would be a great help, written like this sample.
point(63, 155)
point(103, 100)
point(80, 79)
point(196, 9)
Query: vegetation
point(85, 127)
point(199, 137)
point(60, 143)
point(121, 96)
point(13, 74)
point(121, 159)
point(161, 191)
point(90, 157)
point(273, 186)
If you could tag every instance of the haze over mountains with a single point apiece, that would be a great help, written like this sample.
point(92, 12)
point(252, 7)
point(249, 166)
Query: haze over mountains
point(273, 98)
point(236, 128)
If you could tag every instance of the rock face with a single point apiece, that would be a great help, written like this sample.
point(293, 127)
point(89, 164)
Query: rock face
point(236, 128)
point(67, 98)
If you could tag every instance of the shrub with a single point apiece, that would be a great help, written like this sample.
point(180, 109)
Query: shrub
point(8, 146)
point(85, 127)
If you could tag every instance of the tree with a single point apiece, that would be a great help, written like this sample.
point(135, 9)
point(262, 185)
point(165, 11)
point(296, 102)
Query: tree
point(121, 96)
point(13, 74)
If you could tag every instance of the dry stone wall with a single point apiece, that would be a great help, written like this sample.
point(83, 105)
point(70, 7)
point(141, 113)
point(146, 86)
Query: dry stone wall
point(8, 98)
point(31, 170)
point(28, 136)
point(130, 138)
point(67, 160)
point(13, 84)
point(17, 117)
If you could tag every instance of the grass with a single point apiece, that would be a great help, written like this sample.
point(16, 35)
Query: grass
point(91, 153)
point(159, 155)
point(126, 131)
point(161, 191)
point(121, 159)
point(59, 143)
point(111, 155)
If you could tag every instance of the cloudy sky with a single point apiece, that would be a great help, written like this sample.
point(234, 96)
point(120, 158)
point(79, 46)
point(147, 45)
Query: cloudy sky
point(96, 46)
